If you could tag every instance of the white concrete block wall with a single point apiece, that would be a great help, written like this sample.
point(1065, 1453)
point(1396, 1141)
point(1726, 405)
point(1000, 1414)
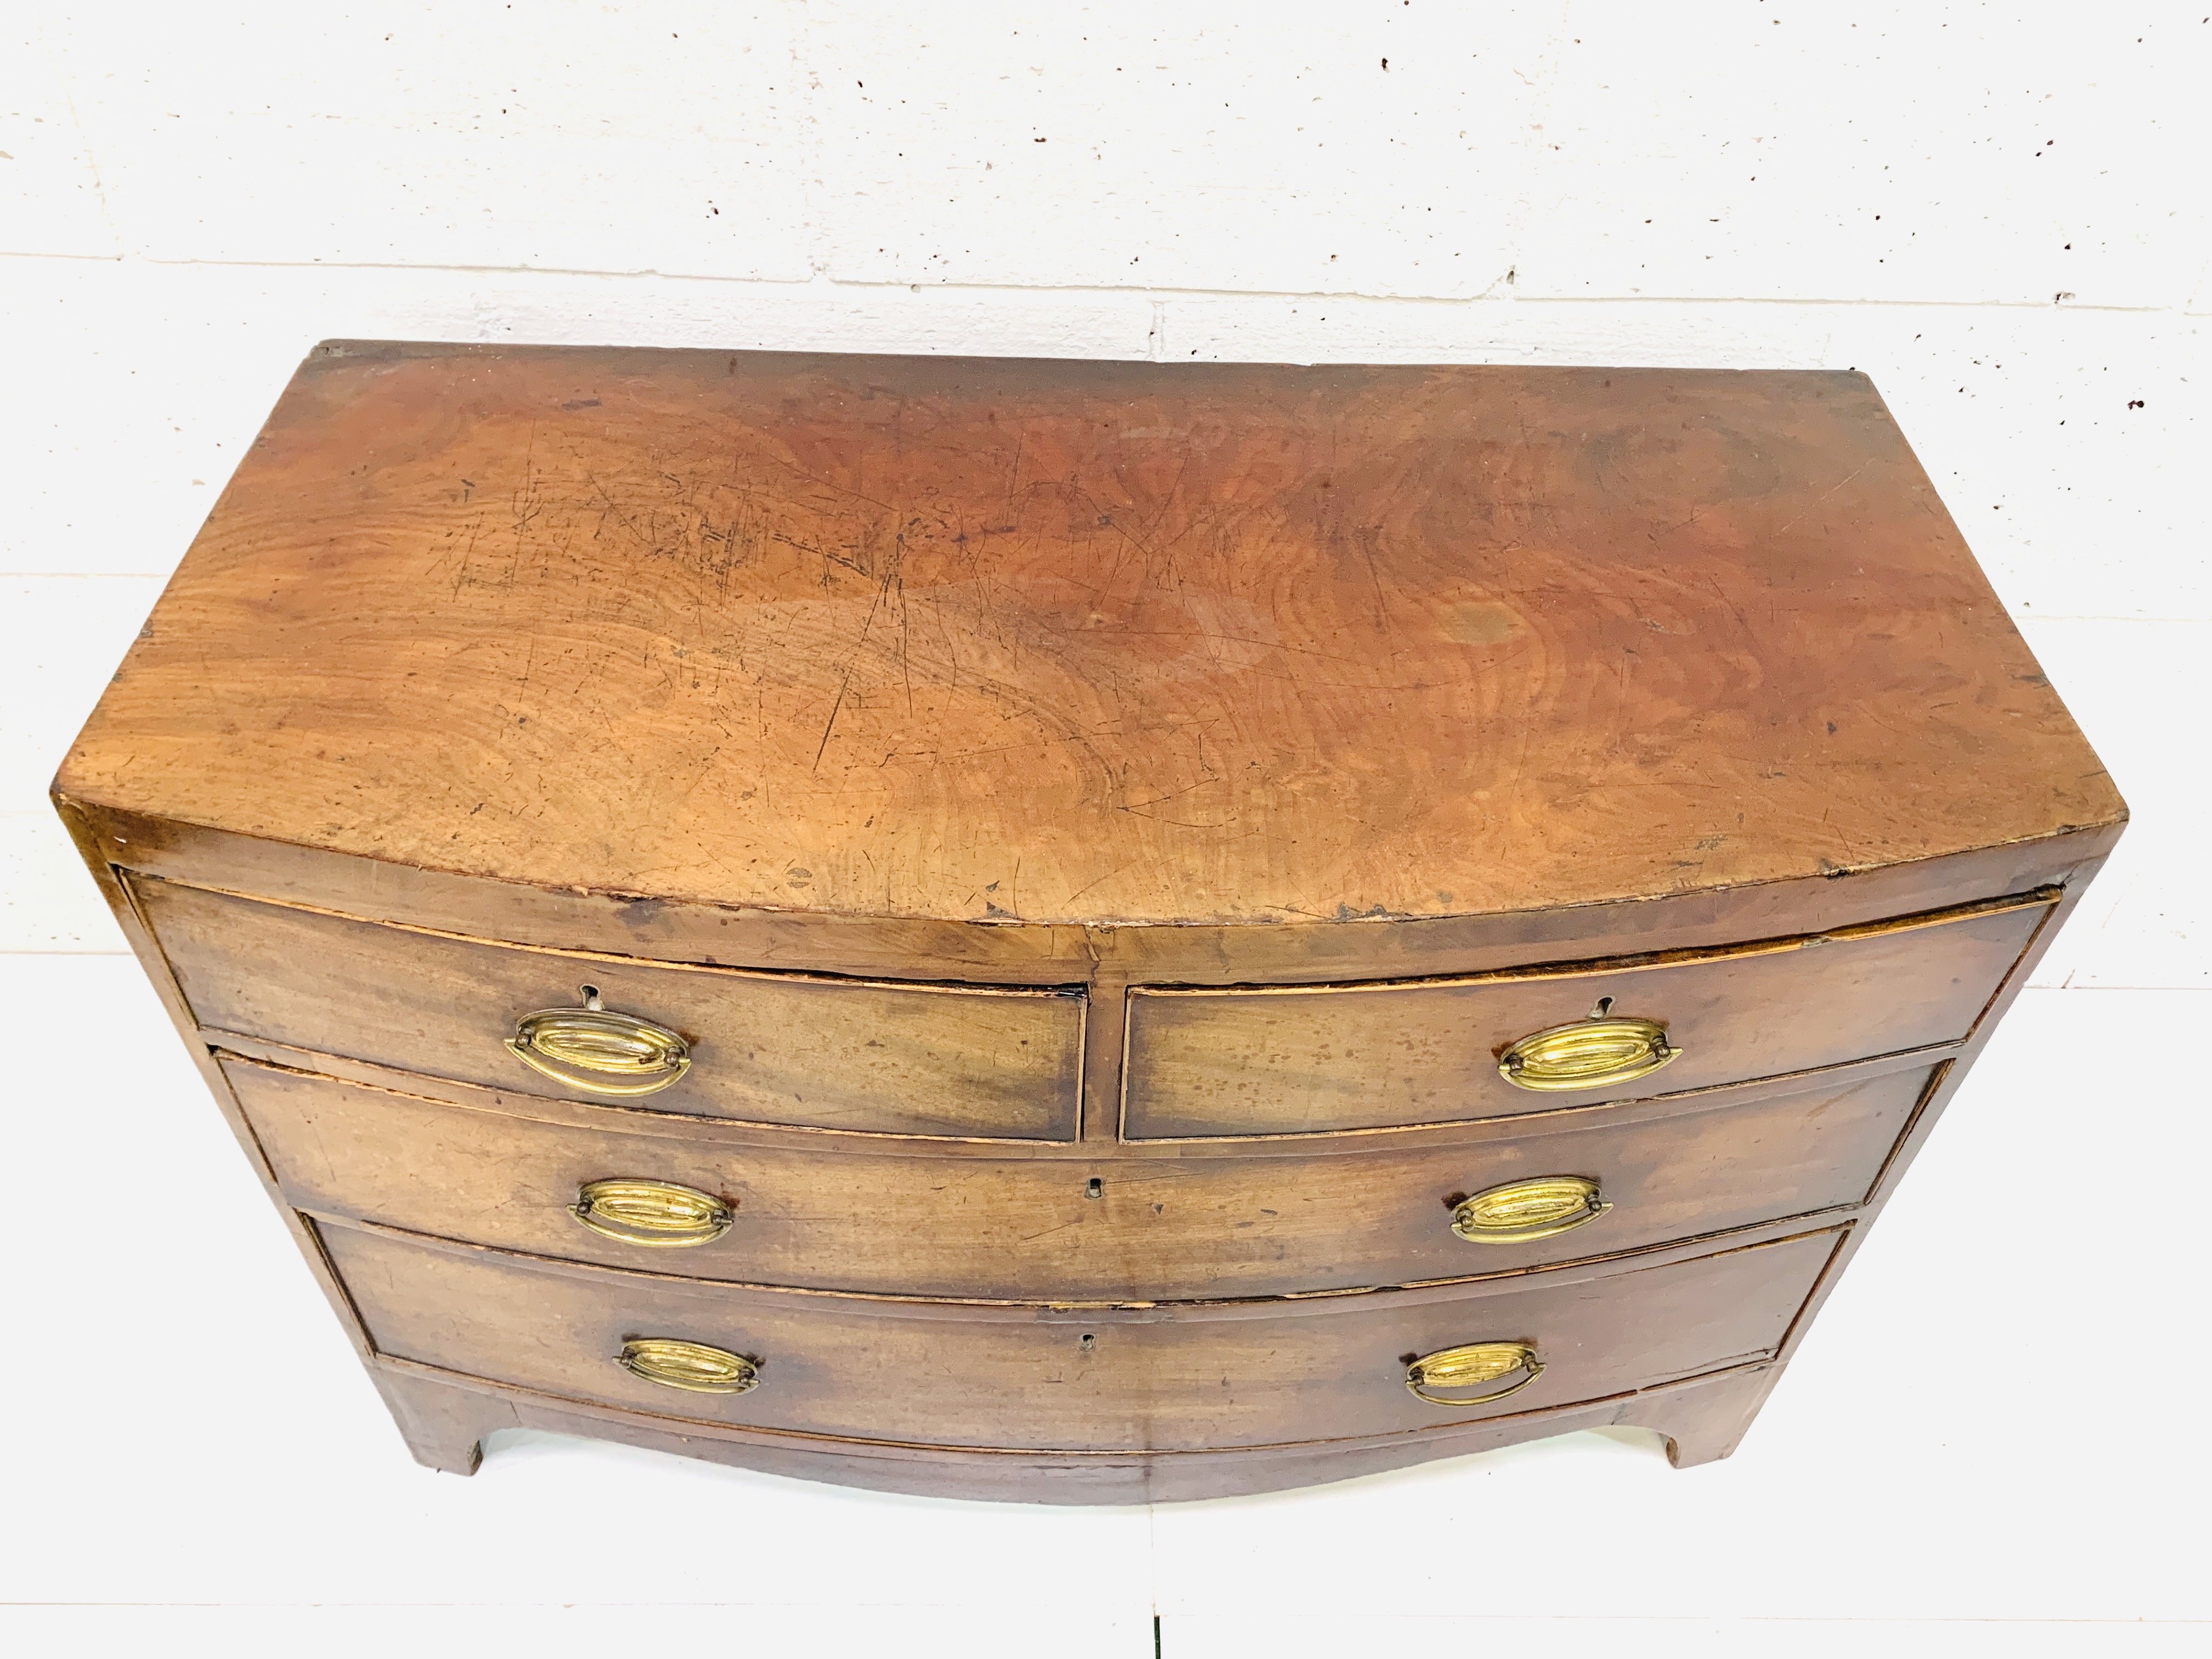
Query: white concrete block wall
point(1998, 210)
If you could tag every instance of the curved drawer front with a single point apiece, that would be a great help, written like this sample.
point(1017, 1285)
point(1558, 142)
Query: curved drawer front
point(1247, 1375)
point(920, 1060)
point(1278, 1061)
point(1157, 1229)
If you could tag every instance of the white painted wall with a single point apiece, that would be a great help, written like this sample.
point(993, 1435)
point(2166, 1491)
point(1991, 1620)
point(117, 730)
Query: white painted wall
point(1998, 210)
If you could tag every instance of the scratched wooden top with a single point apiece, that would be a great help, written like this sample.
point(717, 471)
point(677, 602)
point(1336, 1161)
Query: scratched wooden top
point(1086, 643)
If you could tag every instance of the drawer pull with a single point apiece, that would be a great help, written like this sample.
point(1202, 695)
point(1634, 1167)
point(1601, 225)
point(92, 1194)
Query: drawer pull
point(1471, 1367)
point(599, 1051)
point(692, 1366)
point(1522, 1212)
point(1590, 1053)
point(657, 1214)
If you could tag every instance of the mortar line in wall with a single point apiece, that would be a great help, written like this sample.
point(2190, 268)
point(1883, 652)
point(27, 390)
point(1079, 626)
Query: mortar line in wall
point(80, 258)
point(822, 280)
point(2071, 988)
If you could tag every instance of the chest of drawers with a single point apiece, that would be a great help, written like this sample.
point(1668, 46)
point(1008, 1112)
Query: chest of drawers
point(1078, 931)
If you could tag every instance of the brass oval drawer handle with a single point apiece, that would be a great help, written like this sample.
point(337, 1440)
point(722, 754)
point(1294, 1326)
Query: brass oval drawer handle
point(1522, 1212)
point(1471, 1367)
point(692, 1366)
point(1588, 1054)
point(600, 1051)
point(657, 1215)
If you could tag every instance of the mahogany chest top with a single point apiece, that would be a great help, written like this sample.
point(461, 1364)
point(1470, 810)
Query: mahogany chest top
point(1097, 644)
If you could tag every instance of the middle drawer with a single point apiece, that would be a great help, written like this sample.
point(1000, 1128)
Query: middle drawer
point(1111, 1228)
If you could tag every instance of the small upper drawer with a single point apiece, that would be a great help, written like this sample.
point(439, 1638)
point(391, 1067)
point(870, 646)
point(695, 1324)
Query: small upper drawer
point(1303, 1060)
point(966, 1061)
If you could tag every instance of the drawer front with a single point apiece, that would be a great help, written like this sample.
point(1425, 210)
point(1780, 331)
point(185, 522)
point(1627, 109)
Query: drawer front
point(963, 1061)
point(1160, 1229)
point(1312, 1060)
point(1253, 1375)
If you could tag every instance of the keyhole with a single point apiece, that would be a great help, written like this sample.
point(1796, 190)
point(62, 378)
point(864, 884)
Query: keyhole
point(591, 997)
point(1089, 1342)
point(1094, 1187)
point(1604, 1007)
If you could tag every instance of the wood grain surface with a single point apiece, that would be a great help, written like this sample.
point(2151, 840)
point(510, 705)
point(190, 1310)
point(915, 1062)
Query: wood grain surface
point(1066, 1229)
point(883, 1059)
point(445, 1417)
point(1099, 644)
point(1261, 1061)
point(1311, 1371)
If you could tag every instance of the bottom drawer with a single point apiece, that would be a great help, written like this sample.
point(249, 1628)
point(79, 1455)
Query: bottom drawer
point(1177, 1378)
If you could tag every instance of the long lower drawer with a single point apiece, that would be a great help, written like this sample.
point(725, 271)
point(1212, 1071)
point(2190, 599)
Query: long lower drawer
point(1104, 1228)
point(1238, 1373)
